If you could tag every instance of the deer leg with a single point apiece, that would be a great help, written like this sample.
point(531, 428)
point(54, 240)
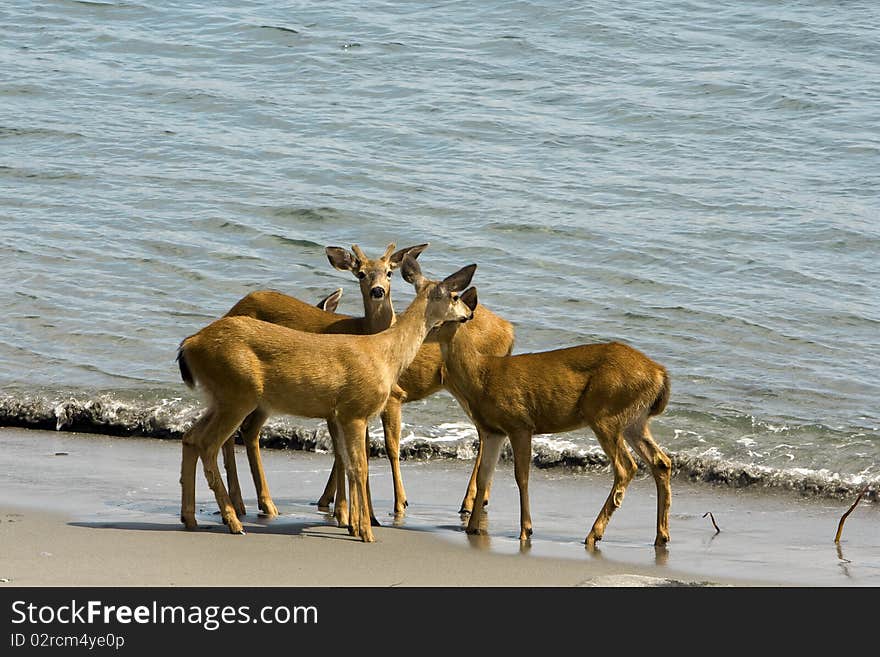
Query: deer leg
point(391, 425)
point(624, 468)
point(373, 521)
point(356, 470)
point(329, 493)
point(232, 476)
point(492, 444)
point(467, 504)
point(337, 475)
point(522, 459)
point(639, 437)
point(250, 436)
point(215, 482)
point(342, 505)
point(187, 481)
point(212, 434)
point(188, 464)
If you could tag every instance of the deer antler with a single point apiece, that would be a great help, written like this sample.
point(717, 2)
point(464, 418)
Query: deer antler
point(388, 251)
point(360, 255)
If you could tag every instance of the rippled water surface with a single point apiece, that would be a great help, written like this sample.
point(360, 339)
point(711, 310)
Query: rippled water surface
point(696, 179)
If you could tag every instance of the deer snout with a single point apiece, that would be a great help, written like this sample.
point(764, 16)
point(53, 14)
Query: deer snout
point(377, 292)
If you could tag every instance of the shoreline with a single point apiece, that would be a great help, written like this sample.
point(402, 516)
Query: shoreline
point(48, 549)
point(87, 510)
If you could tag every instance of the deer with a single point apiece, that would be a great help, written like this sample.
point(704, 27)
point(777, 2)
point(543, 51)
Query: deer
point(328, 304)
point(421, 379)
point(488, 332)
point(245, 365)
point(279, 308)
point(611, 388)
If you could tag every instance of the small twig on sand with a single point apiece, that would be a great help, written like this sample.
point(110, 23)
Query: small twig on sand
point(843, 517)
point(714, 524)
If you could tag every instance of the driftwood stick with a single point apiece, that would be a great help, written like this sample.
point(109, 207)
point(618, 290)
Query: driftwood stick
point(714, 524)
point(843, 517)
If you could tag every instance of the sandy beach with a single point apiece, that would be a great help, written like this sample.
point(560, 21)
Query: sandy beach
point(86, 510)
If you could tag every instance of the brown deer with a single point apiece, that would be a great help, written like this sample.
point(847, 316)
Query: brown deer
point(421, 379)
point(245, 365)
point(279, 308)
point(612, 388)
point(329, 304)
point(486, 331)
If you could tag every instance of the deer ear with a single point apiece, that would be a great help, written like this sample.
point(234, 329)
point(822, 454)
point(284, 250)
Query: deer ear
point(331, 302)
point(411, 272)
point(341, 259)
point(459, 280)
point(469, 298)
point(414, 251)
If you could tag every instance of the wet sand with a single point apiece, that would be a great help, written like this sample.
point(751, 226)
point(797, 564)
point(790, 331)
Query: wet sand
point(86, 510)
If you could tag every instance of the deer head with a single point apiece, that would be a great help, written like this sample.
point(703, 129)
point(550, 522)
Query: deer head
point(444, 302)
point(374, 275)
point(446, 332)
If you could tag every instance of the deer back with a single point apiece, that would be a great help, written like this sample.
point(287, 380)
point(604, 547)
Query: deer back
point(247, 362)
point(557, 390)
point(278, 308)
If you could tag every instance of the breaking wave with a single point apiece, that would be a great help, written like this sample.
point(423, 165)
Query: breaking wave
point(169, 418)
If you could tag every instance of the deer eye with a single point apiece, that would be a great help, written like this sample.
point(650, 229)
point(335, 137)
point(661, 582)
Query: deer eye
point(455, 297)
point(388, 273)
point(360, 274)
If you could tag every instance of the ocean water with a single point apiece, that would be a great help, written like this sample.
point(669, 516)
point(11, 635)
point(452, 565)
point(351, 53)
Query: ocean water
point(696, 179)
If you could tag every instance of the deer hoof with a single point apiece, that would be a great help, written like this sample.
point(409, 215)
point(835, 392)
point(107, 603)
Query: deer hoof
point(268, 508)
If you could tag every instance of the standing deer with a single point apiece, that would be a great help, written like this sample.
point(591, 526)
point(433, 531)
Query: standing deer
point(612, 388)
point(329, 304)
point(278, 308)
point(486, 331)
point(421, 379)
point(245, 365)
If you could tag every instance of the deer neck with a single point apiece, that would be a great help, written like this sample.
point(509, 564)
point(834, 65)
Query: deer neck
point(378, 317)
point(404, 338)
point(465, 366)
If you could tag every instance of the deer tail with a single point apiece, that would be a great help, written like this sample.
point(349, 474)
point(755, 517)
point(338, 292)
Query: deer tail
point(662, 397)
point(185, 372)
